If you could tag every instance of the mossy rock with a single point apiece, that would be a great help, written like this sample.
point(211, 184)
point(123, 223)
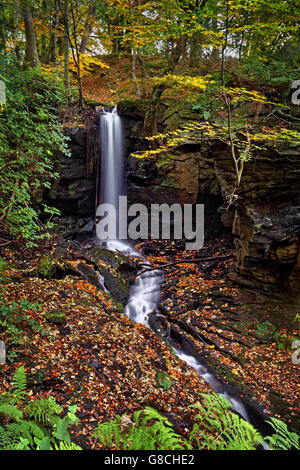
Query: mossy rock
point(116, 285)
point(163, 381)
point(97, 255)
point(117, 272)
point(133, 108)
point(119, 307)
point(46, 267)
point(55, 316)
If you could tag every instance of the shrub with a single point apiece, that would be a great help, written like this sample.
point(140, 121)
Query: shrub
point(30, 136)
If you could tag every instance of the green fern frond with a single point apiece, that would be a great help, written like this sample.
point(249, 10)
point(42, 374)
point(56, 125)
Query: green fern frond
point(67, 446)
point(283, 439)
point(19, 383)
point(42, 410)
point(8, 439)
point(11, 412)
point(148, 431)
point(216, 428)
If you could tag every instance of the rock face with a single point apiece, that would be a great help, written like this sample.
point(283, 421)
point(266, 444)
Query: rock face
point(181, 177)
point(74, 194)
point(265, 219)
point(267, 225)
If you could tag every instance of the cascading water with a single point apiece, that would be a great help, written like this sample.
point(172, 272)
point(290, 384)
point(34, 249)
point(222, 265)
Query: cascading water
point(112, 158)
point(145, 291)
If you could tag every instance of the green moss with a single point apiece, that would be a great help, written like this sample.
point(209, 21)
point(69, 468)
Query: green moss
point(167, 183)
point(55, 316)
point(163, 381)
point(164, 159)
point(46, 268)
point(3, 265)
point(119, 307)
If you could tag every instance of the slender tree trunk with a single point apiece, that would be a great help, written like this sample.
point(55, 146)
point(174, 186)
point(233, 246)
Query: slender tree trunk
point(88, 28)
point(15, 34)
point(54, 51)
point(67, 57)
point(150, 121)
point(31, 53)
point(143, 72)
point(76, 58)
point(137, 87)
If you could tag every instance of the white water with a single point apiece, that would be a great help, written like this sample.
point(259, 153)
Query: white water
point(145, 291)
point(112, 158)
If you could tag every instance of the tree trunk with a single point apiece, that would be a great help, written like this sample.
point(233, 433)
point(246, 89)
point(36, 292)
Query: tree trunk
point(150, 122)
point(54, 52)
point(66, 56)
point(31, 53)
point(143, 72)
point(15, 33)
point(88, 28)
point(137, 87)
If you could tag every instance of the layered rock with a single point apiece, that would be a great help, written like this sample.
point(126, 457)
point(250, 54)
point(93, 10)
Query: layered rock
point(265, 218)
point(181, 177)
point(74, 193)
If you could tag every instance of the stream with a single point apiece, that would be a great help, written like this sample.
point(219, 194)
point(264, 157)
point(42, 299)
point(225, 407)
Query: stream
point(146, 290)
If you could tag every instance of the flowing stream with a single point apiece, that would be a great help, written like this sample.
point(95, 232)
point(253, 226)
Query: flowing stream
point(145, 291)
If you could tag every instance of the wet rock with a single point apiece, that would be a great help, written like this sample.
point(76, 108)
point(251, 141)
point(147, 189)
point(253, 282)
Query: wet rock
point(75, 192)
point(117, 270)
point(133, 109)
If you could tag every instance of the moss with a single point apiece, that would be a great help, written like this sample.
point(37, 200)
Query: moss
point(116, 285)
point(163, 381)
point(46, 267)
point(103, 254)
point(165, 159)
point(134, 108)
point(119, 307)
point(167, 183)
point(3, 265)
point(55, 316)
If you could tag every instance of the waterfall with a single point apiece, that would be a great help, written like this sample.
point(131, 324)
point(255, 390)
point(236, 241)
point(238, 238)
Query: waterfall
point(145, 292)
point(112, 159)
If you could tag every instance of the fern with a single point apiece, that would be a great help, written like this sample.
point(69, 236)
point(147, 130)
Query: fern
point(8, 440)
point(43, 410)
point(66, 446)
point(11, 412)
point(36, 425)
point(148, 431)
point(215, 428)
point(283, 439)
point(19, 383)
point(218, 429)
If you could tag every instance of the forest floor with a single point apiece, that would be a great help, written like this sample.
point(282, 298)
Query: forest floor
point(106, 364)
